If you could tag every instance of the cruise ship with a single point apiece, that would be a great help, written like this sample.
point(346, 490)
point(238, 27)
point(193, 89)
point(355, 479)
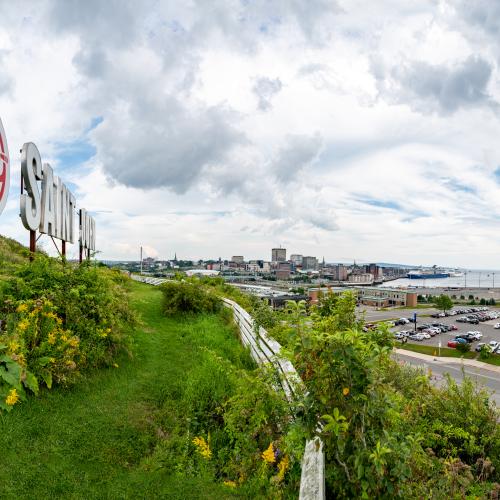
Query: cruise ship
point(427, 274)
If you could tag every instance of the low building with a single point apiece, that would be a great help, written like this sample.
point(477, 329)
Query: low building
point(371, 296)
point(361, 279)
point(238, 259)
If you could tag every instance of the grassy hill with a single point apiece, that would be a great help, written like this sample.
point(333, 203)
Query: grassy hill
point(11, 254)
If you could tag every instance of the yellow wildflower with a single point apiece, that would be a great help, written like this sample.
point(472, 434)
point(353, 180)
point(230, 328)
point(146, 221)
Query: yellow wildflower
point(345, 391)
point(283, 467)
point(23, 325)
point(22, 308)
point(12, 398)
point(64, 337)
point(51, 338)
point(13, 346)
point(115, 365)
point(230, 484)
point(203, 447)
point(74, 341)
point(103, 335)
point(268, 455)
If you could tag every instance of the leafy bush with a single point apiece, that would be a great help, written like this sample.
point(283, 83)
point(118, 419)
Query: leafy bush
point(463, 348)
point(188, 297)
point(92, 303)
point(57, 319)
point(35, 338)
point(387, 431)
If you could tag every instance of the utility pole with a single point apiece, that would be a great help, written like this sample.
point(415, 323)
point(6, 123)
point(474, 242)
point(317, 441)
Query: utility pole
point(141, 260)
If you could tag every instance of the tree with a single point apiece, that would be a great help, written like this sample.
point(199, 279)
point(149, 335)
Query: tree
point(443, 302)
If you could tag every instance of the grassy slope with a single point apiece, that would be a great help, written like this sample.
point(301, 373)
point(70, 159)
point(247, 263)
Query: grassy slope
point(94, 440)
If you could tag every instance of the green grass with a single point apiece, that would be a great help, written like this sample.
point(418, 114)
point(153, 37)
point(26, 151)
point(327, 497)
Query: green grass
point(96, 439)
point(449, 353)
point(433, 351)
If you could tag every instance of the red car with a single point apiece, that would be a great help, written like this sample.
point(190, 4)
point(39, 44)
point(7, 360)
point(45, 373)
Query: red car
point(453, 327)
point(452, 343)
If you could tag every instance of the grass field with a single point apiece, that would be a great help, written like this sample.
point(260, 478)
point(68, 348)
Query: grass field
point(96, 439)
point(433, 351)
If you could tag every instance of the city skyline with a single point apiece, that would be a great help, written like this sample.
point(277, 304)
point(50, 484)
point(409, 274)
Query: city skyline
point(347, 130)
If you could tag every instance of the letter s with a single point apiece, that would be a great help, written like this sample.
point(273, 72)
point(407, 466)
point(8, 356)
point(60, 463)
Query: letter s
point(31, 171)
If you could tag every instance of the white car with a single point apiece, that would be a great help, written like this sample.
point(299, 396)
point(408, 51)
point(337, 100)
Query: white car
point(404, 320)
point(493, 344)
point(475, 335)
point(425, 335)
point(497, 326)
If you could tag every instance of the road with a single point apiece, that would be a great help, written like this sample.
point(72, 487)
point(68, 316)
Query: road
point(486, 378)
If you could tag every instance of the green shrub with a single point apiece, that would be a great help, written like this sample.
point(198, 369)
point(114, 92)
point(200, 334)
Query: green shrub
point(181, 297)
point(91, 301)
point(463, 348)
point(57, 319)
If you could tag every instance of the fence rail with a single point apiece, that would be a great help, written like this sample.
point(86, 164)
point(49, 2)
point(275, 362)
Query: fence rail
point(265, 350)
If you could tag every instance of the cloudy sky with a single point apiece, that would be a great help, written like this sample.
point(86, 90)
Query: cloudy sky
point(349, 129)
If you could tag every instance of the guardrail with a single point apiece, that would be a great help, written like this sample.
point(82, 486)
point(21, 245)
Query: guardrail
point(265, 350)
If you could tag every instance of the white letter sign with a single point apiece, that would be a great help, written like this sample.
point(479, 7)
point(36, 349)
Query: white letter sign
point(51, 211)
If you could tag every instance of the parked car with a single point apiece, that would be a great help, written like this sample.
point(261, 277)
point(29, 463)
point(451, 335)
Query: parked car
point(452, 343)
point(493, 344)
point(480, 346)
point(462, 340)
point(417, 336)
point(497, 326)
point(475, 335)
point(453, 328)
point(465, 337)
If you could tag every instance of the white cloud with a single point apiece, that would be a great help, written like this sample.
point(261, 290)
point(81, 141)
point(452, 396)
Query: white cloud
point(377, 140)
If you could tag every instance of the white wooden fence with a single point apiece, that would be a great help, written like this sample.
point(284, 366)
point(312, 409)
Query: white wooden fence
point(265, 350)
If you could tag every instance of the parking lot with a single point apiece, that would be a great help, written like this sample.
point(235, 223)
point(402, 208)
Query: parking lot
point(486, 328)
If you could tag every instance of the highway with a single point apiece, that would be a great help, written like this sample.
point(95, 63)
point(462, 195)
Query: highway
point(486, 378)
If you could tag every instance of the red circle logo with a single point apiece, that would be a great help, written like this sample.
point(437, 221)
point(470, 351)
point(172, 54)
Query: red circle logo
point(4, 168)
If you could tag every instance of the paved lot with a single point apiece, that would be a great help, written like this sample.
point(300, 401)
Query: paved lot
point(486, 328)
point(372, 314)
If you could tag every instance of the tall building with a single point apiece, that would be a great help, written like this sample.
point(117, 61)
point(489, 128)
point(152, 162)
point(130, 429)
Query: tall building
point(238, 259)
point(375, 270)
point(296, 259)
point(278, 254)
point(309, 263)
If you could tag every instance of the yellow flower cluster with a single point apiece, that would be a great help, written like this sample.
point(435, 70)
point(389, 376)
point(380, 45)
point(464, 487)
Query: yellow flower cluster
point(283, 467)
point(23, 325)
point(74, 341)
point(13, 346)
point(345, 391)
point(230, 484)
point(12, 397)
point(203, 447)
point(51, 338)
point(22, 308)
point(268, 455)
